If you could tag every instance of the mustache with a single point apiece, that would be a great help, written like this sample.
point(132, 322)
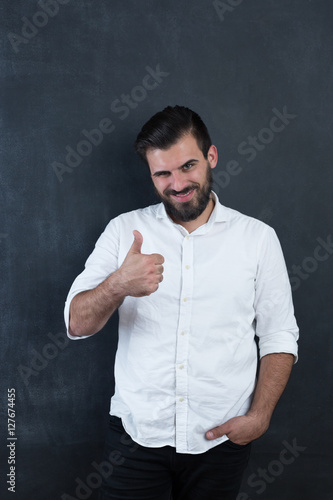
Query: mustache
point(183, 191)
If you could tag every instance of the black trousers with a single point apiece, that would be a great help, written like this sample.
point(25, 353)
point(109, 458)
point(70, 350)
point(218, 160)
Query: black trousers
point(135, 472)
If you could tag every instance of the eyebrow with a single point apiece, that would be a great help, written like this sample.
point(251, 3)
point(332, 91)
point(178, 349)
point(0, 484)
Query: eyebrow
point(160, 172)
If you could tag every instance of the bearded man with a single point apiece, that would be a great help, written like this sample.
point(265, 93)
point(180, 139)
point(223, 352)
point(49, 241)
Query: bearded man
point(194, 283)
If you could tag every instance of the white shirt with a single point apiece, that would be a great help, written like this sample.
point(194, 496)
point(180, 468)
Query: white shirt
point(187, 359)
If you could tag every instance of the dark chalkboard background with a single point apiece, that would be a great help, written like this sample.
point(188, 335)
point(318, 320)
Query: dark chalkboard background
point(238, 63)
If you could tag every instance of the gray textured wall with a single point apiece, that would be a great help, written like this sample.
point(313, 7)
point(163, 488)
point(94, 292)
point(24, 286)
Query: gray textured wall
point(75, 91)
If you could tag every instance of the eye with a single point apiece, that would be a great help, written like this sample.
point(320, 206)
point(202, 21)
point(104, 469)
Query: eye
point(187, 166)
point(161, 174)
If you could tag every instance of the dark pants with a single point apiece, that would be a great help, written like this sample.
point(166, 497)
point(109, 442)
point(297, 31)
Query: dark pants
point(140, 473)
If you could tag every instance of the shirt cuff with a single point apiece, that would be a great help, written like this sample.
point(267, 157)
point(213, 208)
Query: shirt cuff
point(66, 317)
point(285, 343)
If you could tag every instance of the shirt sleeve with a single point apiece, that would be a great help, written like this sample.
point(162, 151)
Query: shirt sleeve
point(102, 262)
point(276, 325)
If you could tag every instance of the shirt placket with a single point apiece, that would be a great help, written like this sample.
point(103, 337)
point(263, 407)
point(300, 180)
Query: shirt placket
point(183, 333)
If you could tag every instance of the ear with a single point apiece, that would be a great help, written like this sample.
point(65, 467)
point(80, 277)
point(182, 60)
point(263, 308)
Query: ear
point(212, 156)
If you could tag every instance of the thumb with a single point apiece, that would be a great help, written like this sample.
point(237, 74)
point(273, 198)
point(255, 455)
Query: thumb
point(137, 243)
point(217, 432)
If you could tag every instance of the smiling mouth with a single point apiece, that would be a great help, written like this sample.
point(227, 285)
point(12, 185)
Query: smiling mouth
point(183, 196)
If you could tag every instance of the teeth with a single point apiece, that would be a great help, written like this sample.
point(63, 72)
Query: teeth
point(182, 195)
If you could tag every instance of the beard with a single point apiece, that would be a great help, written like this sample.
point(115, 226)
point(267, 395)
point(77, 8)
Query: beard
point(188, 210)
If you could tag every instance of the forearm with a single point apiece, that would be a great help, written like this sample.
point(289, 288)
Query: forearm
point(90, 310)
point(274, 372)
point(138, 276)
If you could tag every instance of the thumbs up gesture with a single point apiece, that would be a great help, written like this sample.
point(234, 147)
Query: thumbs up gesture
point(140, 274)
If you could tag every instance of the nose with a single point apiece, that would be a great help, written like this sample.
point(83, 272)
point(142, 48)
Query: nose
point(178, 182)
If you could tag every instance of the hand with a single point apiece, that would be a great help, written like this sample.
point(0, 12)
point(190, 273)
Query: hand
point(140, 274)
point(241, 430)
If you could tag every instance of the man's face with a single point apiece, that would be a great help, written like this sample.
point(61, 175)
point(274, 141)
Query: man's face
point(182, 178)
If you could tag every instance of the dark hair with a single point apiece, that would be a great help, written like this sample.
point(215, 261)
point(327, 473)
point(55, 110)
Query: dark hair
point(166, 127)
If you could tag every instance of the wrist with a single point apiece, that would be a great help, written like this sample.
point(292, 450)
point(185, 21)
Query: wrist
point(115, 287)
point(262, 415)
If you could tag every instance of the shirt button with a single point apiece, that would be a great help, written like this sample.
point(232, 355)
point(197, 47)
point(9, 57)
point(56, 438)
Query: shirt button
point(187, 267)
point(187, 237)
point(182, 333)
point(181, 399)
point(185, 299)
point(181, 367)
